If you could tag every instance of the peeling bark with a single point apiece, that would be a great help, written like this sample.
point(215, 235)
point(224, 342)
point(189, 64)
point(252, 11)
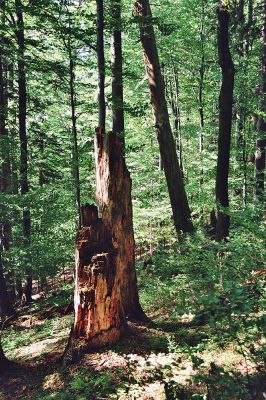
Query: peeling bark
point(99, 315)
point(113, 194)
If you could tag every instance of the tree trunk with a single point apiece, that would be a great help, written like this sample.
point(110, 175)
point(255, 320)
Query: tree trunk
point(99, 316)
point(101, 65)
point(4, 362)
point(178, 198)
point(114, 191)
point(225, 124)
point(75, 156)
point(174, 102)
point(24, 185)
point(201, 87)
point(261, 141)
point(117, 70)
point(6, 307)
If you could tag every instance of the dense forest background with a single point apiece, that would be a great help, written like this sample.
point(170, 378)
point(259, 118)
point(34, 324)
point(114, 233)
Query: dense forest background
point(203, 290)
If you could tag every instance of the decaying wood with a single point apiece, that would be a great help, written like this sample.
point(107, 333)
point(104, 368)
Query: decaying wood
point(99, 316)
point(113, 195)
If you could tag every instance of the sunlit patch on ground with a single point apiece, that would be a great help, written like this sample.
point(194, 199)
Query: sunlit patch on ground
point(167, 359)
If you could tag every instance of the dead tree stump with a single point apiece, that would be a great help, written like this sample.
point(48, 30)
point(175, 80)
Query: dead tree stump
point(99, 315)
point(113, 195)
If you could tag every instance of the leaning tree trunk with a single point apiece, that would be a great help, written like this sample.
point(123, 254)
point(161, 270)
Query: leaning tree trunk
point(178, 198)
point(24, 184)
point(225, 124)
point(261, 141)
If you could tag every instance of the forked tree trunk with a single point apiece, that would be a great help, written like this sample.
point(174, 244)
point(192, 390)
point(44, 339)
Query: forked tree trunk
point(173, 174)
point(225, 124)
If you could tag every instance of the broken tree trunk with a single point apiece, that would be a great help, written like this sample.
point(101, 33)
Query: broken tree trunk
point(99, 316)
point(113, 194)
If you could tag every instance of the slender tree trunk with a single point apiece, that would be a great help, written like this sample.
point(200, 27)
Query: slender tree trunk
point(75, 156)
point(117, 211)
point(201, 87)
point(24, 185)
point(12, 131)
point(174, 94)
point(178, 198)
point(101, 66)
point(225, 124)
point(261, 141)
point(117, 71)
point(6, 307)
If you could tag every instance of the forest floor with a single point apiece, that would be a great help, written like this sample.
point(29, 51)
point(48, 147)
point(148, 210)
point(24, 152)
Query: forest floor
point(168, 359)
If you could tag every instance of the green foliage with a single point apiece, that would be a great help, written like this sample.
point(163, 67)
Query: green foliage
point(207, 296)
point(82, 385)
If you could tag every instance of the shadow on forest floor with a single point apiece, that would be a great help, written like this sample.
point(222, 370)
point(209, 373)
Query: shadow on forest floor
point(151, 361)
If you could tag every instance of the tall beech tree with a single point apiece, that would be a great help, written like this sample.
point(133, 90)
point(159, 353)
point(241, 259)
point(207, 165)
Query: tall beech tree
point(73, 101)
point(6, 307)
point(225, 123)
point(101, 66)
point(173, 173)
point(22, 106)
point(261, 125)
